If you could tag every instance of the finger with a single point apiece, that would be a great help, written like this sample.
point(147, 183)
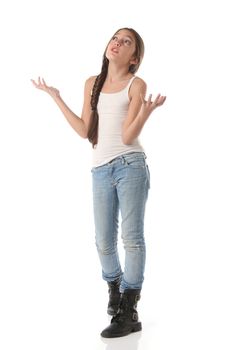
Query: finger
point(32, 80)
point(157, 99)
point(34, 83)
point(149, 98)
point(162, 100)
point(44, 82)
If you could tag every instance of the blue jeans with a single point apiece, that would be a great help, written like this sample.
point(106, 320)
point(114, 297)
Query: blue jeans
point(121, 184)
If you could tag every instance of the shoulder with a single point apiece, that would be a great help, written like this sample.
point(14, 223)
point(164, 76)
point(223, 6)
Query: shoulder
point(138, 86)
point(88, 86)
point(90, 81)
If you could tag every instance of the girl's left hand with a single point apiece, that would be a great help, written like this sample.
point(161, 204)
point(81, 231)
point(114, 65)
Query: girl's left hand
point(148, 106)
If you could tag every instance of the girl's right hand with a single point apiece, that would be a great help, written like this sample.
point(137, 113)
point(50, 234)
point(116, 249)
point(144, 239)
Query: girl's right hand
point(53, 92)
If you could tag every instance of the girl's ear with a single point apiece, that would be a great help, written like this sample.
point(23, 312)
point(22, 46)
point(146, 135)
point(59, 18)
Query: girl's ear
point(133, 61)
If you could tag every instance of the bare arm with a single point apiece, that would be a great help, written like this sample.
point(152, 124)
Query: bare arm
point(139, 111)
point(80, 125)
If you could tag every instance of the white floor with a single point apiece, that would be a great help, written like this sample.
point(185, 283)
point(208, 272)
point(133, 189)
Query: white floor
point(49, 301)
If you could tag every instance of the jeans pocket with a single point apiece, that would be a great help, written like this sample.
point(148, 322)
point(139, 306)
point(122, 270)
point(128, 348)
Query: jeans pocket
point(136, 162)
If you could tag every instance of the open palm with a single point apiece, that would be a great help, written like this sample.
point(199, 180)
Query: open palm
point(43, 86)
point(148, 106)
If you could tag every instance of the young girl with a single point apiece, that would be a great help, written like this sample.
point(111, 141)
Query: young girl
point(113, 115)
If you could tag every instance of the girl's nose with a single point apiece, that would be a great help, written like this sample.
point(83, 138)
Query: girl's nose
point(118, 43)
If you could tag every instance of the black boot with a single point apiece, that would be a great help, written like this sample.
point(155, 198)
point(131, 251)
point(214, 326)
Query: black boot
point(114, 297)
point(126, 320)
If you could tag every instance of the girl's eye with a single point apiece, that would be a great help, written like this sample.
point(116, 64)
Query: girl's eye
point(127, 42)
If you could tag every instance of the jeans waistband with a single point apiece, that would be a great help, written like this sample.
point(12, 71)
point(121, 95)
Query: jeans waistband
point(128, 155)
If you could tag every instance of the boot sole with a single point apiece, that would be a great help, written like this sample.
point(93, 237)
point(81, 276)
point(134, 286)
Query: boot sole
point(135, 328)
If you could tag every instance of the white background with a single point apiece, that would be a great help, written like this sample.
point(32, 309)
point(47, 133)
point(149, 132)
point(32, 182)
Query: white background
point(51, 292)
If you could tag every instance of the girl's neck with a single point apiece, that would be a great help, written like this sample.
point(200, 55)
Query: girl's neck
point(118, 74)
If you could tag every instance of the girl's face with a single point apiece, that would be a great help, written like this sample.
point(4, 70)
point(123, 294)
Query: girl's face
point(121, 48)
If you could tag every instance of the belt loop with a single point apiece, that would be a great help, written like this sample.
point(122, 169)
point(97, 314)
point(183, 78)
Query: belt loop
point(125, 160)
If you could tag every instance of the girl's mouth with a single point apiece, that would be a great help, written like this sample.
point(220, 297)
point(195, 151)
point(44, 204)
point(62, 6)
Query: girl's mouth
point(115, 50)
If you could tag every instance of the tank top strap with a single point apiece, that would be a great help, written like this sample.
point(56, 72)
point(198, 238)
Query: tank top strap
point(130, 82)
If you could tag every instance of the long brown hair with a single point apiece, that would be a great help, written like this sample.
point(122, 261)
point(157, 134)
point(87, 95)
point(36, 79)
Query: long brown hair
point(100, 79)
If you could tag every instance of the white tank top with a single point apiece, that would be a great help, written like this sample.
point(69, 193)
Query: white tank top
point(112, 110)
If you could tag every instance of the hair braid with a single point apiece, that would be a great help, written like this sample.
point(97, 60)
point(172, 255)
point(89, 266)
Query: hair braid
point(99, 81)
